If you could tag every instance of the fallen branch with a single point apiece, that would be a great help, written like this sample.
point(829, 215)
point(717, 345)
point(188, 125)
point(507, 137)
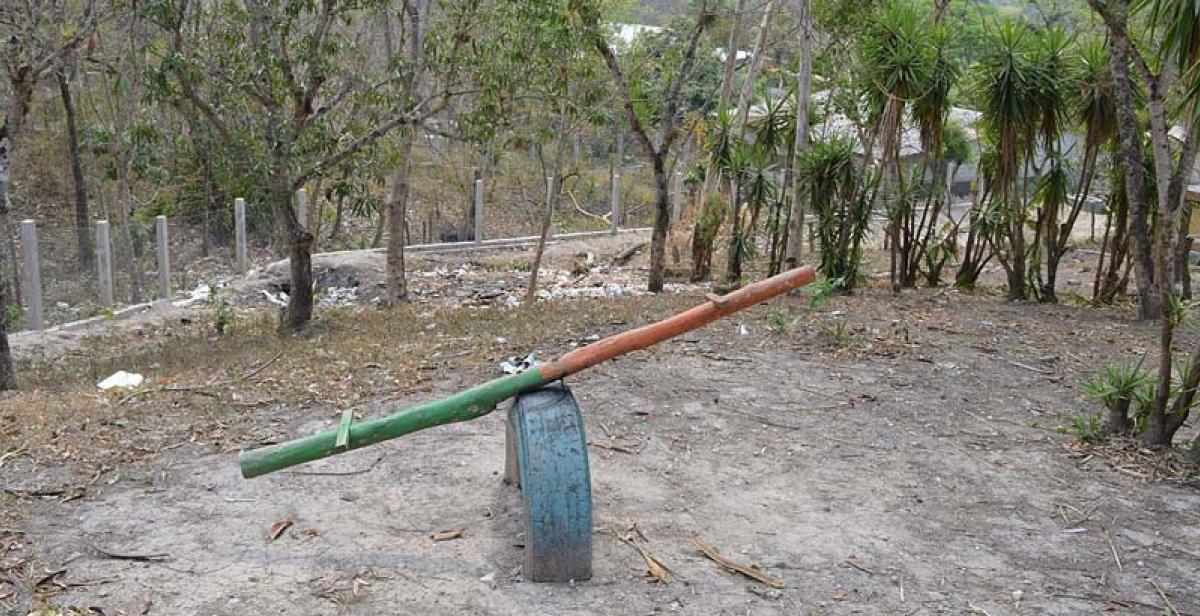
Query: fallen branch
point(624, 256)
point(655, 567)
point(579, 208)
point(747, 571)
point(201, 389)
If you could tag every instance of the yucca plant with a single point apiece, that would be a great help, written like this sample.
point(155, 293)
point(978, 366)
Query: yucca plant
point(1117, 387)
point(843, 212)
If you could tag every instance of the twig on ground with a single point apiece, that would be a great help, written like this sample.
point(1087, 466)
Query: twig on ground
point(614, 447)
point(1162, 594)
point(655, 567)
point(1027, 366)
point(860, 566)
point(1113, 547)
point(747, 571)
point(160, 557)
point(977, 610)
point(360, 471)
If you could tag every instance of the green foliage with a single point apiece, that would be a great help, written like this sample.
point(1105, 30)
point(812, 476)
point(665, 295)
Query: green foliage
point(836, 330)
point(779, 320)
point(1093, 104)
point(13, 317)
point(821, 290)
point(956, 147)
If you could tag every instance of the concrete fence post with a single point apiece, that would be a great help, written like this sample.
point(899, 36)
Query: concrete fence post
point(239, 225)
point(616, 202)
point(104, 263)
point(478, 211)
point(33, 273)
point(164, 257)
point(302, 208)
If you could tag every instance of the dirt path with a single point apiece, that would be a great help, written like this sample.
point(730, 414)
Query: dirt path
point(907, 461)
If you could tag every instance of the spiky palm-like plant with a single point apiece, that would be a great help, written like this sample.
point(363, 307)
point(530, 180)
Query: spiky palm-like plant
point(843, 211)
point(1009, 85)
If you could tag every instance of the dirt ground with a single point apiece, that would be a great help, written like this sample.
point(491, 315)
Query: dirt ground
point(879, 454)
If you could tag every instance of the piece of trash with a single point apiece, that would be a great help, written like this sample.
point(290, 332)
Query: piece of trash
point(122, 379)
point(501, 340)
point(743, 330)
point(512, 366)
point(591, 338)
point(280, 300)
point(745, 570)
point(447, 535)
point(280, 526)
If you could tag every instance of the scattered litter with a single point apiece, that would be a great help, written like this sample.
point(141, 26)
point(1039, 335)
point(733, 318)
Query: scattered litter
point(745, 570)
point(743, 330)
point(200, 293)
point(122, 379)
point(338, 296)
point(513, 366)
point(501, 340)
point(447, 535)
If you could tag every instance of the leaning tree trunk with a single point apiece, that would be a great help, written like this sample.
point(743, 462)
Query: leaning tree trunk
point(746, 96)
point(83, 229)
point(703, 236)
point(552, 190)
point(1130, 154)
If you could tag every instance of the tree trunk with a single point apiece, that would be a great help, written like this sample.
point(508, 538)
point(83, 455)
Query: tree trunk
point(552, 190)
point(733, 267)
point(795, 233)
point(1118, 418)
point(1130, 155)
point(397, 212)
point(83, 229)
point(299, 310)
point(337, 218)
point(746, 98)
point(662, 222)
point(7, 377)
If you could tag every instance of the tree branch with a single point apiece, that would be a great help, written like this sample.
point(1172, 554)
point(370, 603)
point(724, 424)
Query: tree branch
point(415, 115)
point(591, 23)
point(1120, 36)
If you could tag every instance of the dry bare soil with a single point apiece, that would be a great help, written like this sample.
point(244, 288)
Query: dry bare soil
point(879, 454)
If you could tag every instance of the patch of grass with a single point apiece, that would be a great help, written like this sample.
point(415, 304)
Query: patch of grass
point(1089, 428)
